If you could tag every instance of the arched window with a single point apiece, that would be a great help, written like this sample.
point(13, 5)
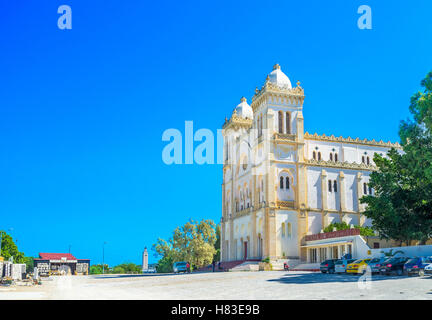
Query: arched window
point(287, 183)
point(289, 230)
point(283, 229)
point(363, 159)
point(280, 122)
point(281, 182)
point(288, 122)
point(365, 188)
point(370, 190)
point(335, 186)
point(336, 157)
point(367, 160)
point(314, 155)
point(329, 186)
point(319, 156)
point(331, 156)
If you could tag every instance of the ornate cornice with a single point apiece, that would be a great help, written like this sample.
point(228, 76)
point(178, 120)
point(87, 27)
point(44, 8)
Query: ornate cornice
point(341, 165)
point(237, 122)
point(294, 95)
point(341, 139)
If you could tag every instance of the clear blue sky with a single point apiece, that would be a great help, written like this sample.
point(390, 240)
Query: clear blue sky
point(82, 111)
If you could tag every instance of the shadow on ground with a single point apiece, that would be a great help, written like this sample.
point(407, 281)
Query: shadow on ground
point(317, 277)
point(118, 276)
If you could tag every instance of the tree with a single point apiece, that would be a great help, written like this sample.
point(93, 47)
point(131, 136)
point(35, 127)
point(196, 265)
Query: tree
point(97, 269)
point(216, 256)
point(127, 268)
point(10, 249)
point(401, 208)
point(364, 231)
point(193, 242)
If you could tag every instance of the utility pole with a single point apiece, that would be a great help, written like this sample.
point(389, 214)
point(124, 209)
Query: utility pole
point(103, 257)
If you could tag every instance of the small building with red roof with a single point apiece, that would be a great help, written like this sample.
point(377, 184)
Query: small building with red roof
point(61, 263)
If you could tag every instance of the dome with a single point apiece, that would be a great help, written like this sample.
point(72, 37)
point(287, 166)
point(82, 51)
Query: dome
point(244, 110)
point(279, 78)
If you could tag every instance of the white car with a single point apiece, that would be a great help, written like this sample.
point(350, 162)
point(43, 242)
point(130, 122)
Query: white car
point(341, 265)
point(428, 269)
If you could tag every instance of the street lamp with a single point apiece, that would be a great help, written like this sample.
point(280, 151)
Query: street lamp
point(103, 257)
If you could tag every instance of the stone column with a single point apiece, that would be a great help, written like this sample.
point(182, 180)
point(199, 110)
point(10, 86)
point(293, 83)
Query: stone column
point(362, 218)
point(342, 191)
point(301, 196)
point(231, 241)
point(271, 233)
point(254, 249)
point(324, 198)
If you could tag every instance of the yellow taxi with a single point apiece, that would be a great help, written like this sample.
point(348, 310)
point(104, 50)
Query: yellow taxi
point(358, 266)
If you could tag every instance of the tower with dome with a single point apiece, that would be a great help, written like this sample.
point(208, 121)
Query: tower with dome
point(282, 185)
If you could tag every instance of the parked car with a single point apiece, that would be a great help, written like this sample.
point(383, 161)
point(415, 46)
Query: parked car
point(376, 263)
point(151, 270)
point(341, 265)
point(393, 266)
point(180, 267)
point(328, 266)
point(417, 266)
point(358, 266)
point(428, 269)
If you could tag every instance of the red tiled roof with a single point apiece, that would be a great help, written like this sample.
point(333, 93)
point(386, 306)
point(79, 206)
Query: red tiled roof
point(333, 234)
point(56, 256)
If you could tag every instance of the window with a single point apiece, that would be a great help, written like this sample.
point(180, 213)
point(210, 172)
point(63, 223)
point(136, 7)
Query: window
point(319, 156)
point(365, 188)
point(370, 190)
point(289, 230)
point(288, 122)
point(281, 182)
point(259, 126)
point(329, 186)
point(287, 183)
point(283, 229)
point(336, 157)
point(376, 245)
point(314, 155)
point(363, 159)
point(335, 186)
point(367, 160)
point(280, 122)
point(331, 156)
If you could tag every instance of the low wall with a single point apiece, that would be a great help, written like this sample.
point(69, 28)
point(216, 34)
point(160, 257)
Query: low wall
point(411, 251)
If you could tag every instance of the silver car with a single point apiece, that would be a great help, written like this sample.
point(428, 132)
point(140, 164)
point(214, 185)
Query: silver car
point(340, 265)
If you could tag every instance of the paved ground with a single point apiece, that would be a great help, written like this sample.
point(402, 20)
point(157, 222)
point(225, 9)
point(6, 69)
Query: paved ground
point(228, 285)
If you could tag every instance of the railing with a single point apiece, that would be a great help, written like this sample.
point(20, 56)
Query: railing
point(333, 234)
point(285, 136)
point(285, 204)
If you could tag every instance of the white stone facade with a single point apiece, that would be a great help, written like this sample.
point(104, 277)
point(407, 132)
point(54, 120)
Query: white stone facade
point(280, 183)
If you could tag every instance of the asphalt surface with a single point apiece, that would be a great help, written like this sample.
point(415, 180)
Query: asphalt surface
point(228, 285)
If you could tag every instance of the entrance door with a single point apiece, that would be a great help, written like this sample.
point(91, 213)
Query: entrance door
point(245, 250)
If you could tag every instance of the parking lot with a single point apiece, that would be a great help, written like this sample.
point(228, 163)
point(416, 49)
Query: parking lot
point(227, 285)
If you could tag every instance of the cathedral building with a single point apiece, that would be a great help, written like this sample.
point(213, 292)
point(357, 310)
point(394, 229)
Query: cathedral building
point(281, 185)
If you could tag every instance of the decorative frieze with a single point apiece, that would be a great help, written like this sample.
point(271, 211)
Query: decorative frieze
point(341, 165)
point(341, 139)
